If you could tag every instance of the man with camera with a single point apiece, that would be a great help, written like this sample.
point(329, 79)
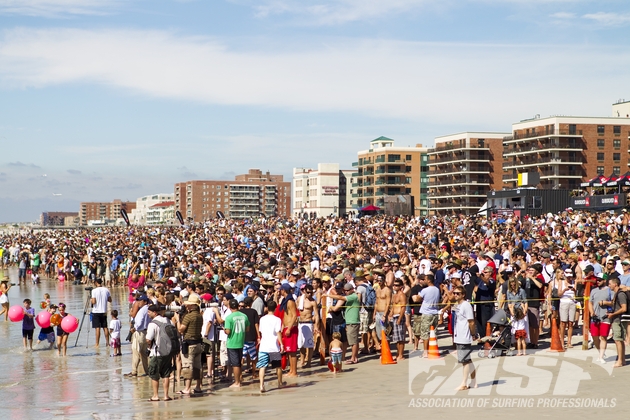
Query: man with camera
point(100, 298)
point(160, 364)
point(189, 323)
point(600, 323)
point(138, 339)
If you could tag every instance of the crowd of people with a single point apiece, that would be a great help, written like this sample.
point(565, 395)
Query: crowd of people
point(247, 297)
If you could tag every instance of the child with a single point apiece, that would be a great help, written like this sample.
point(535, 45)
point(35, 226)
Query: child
point(35, 277)
point(28, 324)
point(518, 327)
point(114, 333)
point(49, 332)
point(62, 336)
point(46, 302)
point(335, 351)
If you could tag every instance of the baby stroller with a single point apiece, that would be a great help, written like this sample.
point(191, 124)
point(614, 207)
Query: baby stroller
point(501, 337)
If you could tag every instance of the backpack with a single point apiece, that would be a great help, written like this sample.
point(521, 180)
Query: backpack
point(370, 296)
point(627, 293)
point(168, 343)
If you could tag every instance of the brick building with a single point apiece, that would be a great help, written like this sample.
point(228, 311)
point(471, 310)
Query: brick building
point(463, 168)
point(249, 195)
point(102, 211)
point(385, 169)
point(566, 150)
point(322, 191)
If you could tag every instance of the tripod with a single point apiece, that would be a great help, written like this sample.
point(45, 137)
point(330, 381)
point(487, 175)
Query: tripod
point(86, 310)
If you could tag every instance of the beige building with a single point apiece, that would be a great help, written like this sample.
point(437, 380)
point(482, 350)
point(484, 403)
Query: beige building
point(463, 168)
point(387, 170)
point(161, 214)
point(249, 195)
point(94, 211)
point(323, 191)
point(139, 215)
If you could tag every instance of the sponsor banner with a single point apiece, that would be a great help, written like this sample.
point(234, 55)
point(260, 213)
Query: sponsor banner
point(598, 201)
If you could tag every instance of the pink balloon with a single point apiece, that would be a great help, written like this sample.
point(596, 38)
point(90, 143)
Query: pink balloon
point(69, 324)
point(16, 313)
point(43, 319)
point(61, 277)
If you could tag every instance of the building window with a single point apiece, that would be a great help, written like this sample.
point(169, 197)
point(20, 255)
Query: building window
point(572, 129)
point(218, 187)
point(393, 158)
point(600, 156)
point(616, 143)
point(600, 143)
point(616, 157)
point(616, 170)
point(600, 170)
point(407, 190)
point(407, 168)
point(616, 130)
point(425, 158)
point(408, 157)
point(408, 180)
point(600, 130)
point(313, 181)
point(298, 183)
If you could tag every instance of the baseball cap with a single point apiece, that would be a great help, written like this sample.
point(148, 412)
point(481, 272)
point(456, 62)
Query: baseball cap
point(568, 273)
point(339, 285)
point(286, 287)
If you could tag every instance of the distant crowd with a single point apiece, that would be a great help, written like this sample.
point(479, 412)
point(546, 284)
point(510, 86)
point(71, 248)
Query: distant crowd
point(245, 297)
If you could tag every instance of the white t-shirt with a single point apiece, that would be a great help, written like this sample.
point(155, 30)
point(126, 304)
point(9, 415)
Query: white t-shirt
point(114, 326)
point(153, 333)
point(101, 294)
point(463, 314)
point(208, 317)
point(269, 327)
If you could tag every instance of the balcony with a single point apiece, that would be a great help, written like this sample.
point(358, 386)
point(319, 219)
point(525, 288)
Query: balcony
point(543, 147)
point(379, 193)
point(461, 145)
point(379, 159)
point(531, 162)
point(540, 135)
point(456, 193)
point(470, 169)
point(459, 205)
point(355, 164)
point(476, 157)
point(563, 173)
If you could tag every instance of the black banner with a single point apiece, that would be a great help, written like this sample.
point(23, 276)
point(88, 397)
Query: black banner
point(124, 215)
point(179, 217)
point(595, 202)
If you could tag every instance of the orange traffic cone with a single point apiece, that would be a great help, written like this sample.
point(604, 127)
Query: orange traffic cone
point(556, 345)
point(386, 353)
point(434, 352)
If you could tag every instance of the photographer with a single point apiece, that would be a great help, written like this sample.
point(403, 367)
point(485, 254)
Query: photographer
point(600, 323)
point(211, 317)
point(189, 325)
point(138, 339)
point(100, 296)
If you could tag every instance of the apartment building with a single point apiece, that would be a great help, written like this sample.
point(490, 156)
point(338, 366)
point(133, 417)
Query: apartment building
point(323, 191)
point(388, 170)
point(55, 218)
point(463, 168)
point(96, 211)
point(247, 196)
point(566, 151)
point(161, 213)
point(143, 205)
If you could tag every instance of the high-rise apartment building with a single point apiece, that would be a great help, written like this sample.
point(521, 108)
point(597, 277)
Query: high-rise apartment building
point(249, 195)
point(462, 169)
point(323, 191)
point(385, 169)
point(92, 211)
point(566, 151)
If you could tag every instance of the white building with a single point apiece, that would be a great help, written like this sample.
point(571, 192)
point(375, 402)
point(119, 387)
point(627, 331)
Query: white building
point(138, 215)
point(323, 191)
point(161, 213)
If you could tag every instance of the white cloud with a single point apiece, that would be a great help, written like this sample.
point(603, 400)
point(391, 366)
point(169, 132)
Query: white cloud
point(57, 8)
point(563, 15)
point(440, 82)
point(609, 19)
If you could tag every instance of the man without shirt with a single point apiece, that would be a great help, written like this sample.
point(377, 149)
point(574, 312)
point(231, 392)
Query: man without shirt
point(308, 322)
point(399, 304)
point(381, 309)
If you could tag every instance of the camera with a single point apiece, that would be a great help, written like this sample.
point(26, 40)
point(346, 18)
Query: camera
point(595, 319)
point(89, 289)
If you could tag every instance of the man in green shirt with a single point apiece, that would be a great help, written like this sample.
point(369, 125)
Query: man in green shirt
point(353, 322)
point(236, 325)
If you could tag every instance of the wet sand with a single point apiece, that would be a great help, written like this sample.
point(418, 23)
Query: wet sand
point(89, 384)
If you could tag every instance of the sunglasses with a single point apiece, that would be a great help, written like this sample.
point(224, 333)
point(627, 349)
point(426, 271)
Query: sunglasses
point(457, 293)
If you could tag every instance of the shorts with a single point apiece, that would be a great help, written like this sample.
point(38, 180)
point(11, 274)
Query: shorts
point(27, 334)
point(269, 359)
point(619, 331)
point(426, 322)
point(416, 324)
point(381, 323)
point(398, 330)
point(463, 353)
point(600, 329)
point(114, 343)
point(160, 367)
point(336, 358)
point(249, 349)
point(223, 357)
point(533, 317)
point(305, 336)
point(234, 357)
point(352, 331)
point(191, 364)
point(50, 337)
point(209, 346)
point(567, 311)
point(341, 329)
point(520, 334)
point(365, 319)
point(99, 320)
point(290, 342)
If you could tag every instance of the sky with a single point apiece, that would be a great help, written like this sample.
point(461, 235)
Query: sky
point(106, 99)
